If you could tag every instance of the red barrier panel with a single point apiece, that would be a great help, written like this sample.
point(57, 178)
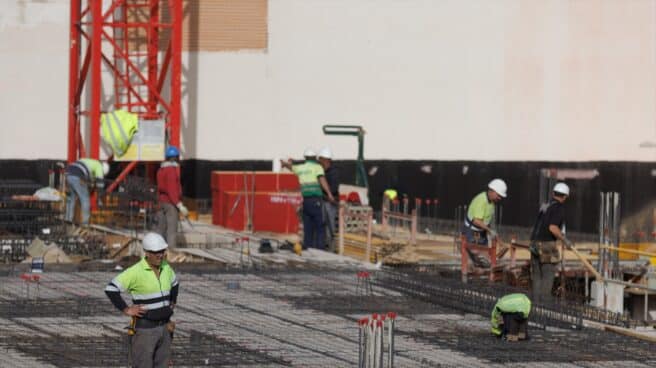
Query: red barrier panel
point(275, 199)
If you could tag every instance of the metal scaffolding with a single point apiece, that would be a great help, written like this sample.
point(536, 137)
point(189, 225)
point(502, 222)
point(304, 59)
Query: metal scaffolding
point(139, 44)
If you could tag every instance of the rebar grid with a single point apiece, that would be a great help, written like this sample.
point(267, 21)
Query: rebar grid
point(14, 248)
point(30, 217)
point(65, 308)
point(301, 318)
point(479, 296)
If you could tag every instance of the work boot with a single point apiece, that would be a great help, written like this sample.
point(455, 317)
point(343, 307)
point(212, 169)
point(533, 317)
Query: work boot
point(512, 338)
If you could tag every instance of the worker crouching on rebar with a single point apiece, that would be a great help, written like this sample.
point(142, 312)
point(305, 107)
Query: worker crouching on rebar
point(154, 289)
point(313, 185)
point(169, 192)
point(547, 230)
point(510, 317)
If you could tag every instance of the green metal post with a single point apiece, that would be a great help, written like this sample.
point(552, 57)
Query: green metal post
point(355, 130)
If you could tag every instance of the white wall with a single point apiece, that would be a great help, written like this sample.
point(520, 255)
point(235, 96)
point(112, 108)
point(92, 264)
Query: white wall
point(447, 80)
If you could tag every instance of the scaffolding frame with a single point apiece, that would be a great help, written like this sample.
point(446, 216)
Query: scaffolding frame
point(127, 38)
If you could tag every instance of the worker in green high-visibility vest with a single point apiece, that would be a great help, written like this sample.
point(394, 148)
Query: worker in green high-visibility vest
point(313, 182)
point(510, 317)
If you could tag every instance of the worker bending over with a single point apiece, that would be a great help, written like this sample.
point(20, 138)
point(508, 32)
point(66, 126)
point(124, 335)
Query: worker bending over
point(510, 317)
point(154, 289)
point(313, 185)
point(477, 227)
point(547, 230)
point(82, 176)
point(169, 192)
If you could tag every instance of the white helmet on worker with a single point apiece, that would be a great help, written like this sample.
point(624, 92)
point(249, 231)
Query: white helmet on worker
point(561, 188)
point(105, 167)
point(153, 242)
point(326, 153)
point(499, 186)
point(309, 152)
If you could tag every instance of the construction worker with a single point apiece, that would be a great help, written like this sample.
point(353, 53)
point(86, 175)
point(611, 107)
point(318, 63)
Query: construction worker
point(389, 196)
point(329, 207)
point(477, 227)
point(82, 176)
point(154, 289)
point(313, 186)
point(548, 228)
point(510, 317)
point(169, 192)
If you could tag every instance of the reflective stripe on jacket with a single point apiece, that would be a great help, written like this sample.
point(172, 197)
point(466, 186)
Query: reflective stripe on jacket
point(154, 294)
point(117, 128)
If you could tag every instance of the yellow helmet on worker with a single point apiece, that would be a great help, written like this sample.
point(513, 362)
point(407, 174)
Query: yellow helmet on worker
point(499, 186)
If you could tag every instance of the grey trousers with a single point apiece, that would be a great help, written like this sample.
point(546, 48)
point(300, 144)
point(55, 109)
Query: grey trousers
point(330, 220)
point(151, 347)
point(167, 223)
point(542, 278)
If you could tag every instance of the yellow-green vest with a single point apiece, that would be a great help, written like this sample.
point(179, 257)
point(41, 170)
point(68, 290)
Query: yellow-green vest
point(511, 303)
point(117, 128)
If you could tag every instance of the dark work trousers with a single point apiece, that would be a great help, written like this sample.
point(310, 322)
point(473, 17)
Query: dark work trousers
point(167, 223)
point(515, 324)
point(313, 223)
point(474, 237)
point(151, 347)
point(542, 278)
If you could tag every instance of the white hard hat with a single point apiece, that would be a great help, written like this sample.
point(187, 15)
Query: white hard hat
point(105, 166)
point(309, 152)
point(499, 186)
point(326, 153)
point(153, 242)
point(561, 188)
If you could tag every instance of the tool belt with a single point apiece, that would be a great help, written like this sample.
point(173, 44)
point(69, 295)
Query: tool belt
point(546, 251)
point(147, 323)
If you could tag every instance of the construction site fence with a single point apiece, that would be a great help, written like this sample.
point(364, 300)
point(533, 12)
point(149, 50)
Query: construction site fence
point(431, 220)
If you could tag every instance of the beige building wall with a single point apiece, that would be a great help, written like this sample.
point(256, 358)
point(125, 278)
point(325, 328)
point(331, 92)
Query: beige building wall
point(447, 80)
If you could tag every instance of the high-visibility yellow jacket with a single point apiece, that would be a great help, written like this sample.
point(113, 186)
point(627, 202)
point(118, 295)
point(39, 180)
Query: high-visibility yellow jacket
point(308, 176)
point(155, 295)
point(511, 303)
point(117, 128)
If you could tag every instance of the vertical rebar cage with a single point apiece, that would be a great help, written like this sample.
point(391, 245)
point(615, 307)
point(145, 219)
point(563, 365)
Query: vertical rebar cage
point(136, 46)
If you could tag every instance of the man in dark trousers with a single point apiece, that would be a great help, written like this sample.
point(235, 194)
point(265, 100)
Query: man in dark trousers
point(154, 289)
point(169, 192)
point(510, 317)
point(548, 229)
point(330, 208)
point(313, 185)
